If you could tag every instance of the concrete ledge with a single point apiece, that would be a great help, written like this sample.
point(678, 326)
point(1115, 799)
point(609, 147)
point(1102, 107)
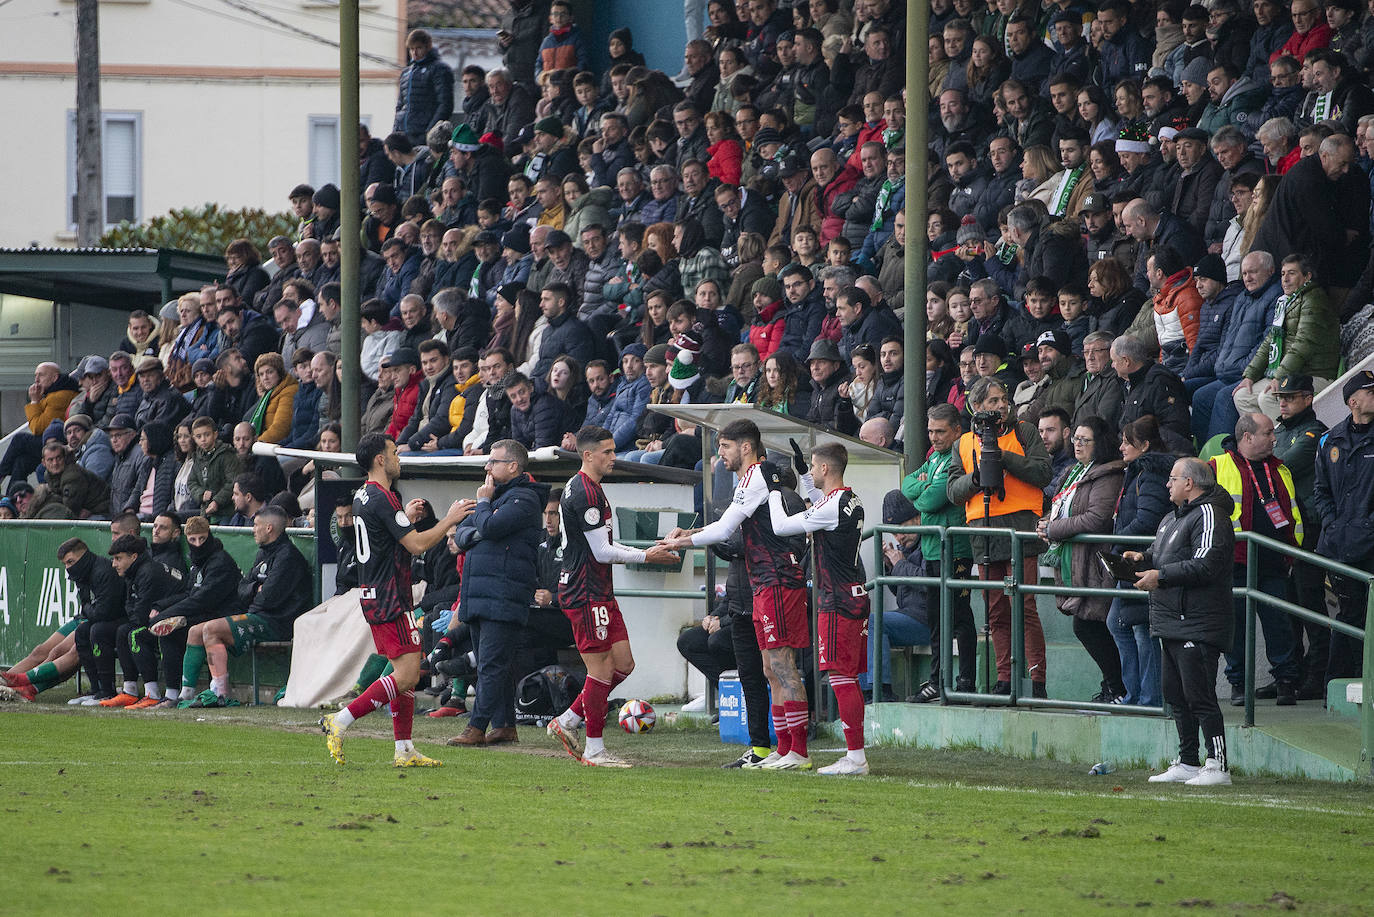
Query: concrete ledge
point(1086, 738)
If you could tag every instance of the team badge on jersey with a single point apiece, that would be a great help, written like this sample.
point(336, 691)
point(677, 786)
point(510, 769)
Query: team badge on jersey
point(592, 515)
point(401, 518)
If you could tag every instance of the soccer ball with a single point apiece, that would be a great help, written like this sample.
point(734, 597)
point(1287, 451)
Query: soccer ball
point(637, 716)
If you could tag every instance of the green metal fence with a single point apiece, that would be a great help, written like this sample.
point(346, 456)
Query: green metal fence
point(1014, 588)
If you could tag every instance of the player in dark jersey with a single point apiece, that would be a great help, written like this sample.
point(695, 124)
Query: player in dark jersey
point(835, 522)
point(587, 597)
point(385, 541)
point(778, 584)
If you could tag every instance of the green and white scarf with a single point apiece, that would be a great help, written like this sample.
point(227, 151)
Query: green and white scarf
point(884, 198)
point(1065, 190)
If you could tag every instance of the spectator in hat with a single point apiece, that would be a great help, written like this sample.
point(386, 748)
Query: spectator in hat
point(383, 216)
point(128, 458)
point(325, 208)
point(98, 391)
point(1065, 376)
point(161, 402)
point(1217, 296)
point(89, 446)
point(798, 205)
point(830, 407)
point(404, 365)
point(1197, 180)
point(554, 157)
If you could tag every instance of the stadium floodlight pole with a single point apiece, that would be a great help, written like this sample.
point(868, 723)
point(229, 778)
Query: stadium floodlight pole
point(350, 224)
point(914, 262)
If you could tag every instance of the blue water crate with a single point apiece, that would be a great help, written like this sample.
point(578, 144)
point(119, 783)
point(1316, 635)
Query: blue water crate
point(734, 721)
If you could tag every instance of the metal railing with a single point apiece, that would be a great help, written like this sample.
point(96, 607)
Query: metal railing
point(1014, 587)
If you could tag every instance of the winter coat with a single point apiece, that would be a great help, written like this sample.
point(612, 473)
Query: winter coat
point(124, 476)
point(74, 493)
point(149, 584)
point(305, 418)
point(99, 589)
point(856, 207)
point(1310, 214)
point(1251, 315)
point(630, 399)
point(1192, 198)
point(1213, 325)
point(278, 585)
point(725, 161)
point(425, 96)
point(1192, 551)
point(501, 539)
point(1152, 389)
point(871, 327)
point(1221, 213)
point(276, 421)
point(52, 405)
point(98, 408)
point(825, 405)
point(766, 330)
point(163, 461)
point(888, 398)
point(565, 334)
point(163, 404)
point(431, 416)
point(1144, 496)
point(807, 213)
point(214, 471)
point(250, 280)
point(802, 324)
point(1090, 513)
point(561, 52)
point(96, 455)
point(404, 399)
point(1343, 493)
point(589, 209)
point(1237, 108)
point(213, 575)
point(1063, 383)
point(1102, 396)
point(1178, 310)
point(544, 424)
point(1311, 338)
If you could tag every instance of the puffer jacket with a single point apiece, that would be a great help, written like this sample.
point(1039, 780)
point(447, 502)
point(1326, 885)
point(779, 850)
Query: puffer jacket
point(1193, 551)
point(1144, 496)
point(1213, 325)
point(501, 539)
point(213, 575)
point(276, 422)
point(590, 208)
point(1251, 314)
point(305, 418)
point(163, 460)
point(425, 96)
point(52, 405)
point(1090, 513)
point(1311, 338)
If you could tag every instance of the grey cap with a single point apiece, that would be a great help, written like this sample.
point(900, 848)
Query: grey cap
point(824, 349)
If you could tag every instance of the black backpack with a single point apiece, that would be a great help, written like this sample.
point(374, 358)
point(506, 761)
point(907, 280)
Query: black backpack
point(544, 694)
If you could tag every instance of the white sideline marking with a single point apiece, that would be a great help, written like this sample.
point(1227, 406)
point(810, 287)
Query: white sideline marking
point(1252, 802)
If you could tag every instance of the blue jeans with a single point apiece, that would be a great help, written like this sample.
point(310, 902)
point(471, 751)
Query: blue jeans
point(1278, 631)
point(1139, 651)
point(640, 455)
point(898, 630)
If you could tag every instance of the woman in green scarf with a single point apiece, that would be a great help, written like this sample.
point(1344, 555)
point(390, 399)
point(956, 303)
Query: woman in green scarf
point(1084, 504)
point(271, 416)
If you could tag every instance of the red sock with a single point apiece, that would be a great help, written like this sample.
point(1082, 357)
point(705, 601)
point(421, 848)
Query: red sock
point(780, 727)
point(617, 677)
point(594, 694)
point(378, 694)
point(850, 700)
point(17, 679)
point(577, 706)
point(796, 712)
point(402, 715)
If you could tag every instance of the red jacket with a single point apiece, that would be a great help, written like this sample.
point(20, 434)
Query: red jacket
point(1180, 299)
point(404, 398)
point(866, 133)
point(1297, 46)
point(726, 162)
point(832, 225)
point(765, 333)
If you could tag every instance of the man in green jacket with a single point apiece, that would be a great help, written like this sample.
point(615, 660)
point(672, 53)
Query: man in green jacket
point(925, 488)
point(1304, 338)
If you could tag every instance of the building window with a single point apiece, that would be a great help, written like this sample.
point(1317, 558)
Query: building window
point(323, 144)
point(122, 154)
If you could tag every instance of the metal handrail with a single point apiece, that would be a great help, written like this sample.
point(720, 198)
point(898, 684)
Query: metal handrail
point(1014, 588)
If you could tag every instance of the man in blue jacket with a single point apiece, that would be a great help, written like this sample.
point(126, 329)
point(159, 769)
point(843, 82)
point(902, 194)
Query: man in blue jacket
point(425, 94)
point(631, 395)
point(501, 539)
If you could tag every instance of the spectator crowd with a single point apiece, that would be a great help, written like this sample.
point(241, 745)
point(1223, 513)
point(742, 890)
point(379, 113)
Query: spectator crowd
point(1148, 233)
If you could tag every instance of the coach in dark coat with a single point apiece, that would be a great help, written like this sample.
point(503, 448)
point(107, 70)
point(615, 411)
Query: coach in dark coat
point(501, 539)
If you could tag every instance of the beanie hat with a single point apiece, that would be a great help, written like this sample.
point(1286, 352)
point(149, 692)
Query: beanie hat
point(1196, 71)
point(684, 372)
point(969, 230)
point(549, 126)
point(768, 285)
point(1058, 339)
point(1133, 138)
point(328, 196)
point(897, 508)
point(1211, 267)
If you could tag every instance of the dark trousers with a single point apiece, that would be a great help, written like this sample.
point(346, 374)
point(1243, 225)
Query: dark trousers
point(1278, 632)
point(22, 457)
point(137, 649)
point(1189, 671)
point(749, 664)
point(546, 632)
point(1098, 641)
point(173, 650)
point(1346, 659)
point(1307, 587)
point(95, 647)
point(961, 618)
point(710, 654)
point(495, 643)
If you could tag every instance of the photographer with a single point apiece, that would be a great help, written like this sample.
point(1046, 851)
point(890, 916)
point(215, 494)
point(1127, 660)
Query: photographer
point(998, 475)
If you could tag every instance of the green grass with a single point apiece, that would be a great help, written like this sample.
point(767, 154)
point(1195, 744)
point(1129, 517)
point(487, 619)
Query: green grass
point(241, 811)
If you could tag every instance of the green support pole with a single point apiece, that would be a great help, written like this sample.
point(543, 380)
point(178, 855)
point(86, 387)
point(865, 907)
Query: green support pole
point(914, 264)
point(946, 620)
point(350, 224)
point(1018, 621)
point(1251, 586)
point(1367, 682)
point(876, 602)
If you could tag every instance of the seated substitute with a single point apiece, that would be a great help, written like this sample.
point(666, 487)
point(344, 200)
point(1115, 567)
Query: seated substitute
point(147, 583)
point(101, 593)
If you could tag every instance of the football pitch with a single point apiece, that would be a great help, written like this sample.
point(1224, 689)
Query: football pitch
point(241, 811)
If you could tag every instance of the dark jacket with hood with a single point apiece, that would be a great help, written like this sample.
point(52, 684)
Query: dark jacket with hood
point(99, 589)
point(150, 584)
point(1193, 552)
point(278, 584)
point(213, 576)
point(161, 458)
point(501, 539)
point(825, 404)
point(425, 96)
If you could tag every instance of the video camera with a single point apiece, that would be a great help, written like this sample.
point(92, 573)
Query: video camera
point(987, 426)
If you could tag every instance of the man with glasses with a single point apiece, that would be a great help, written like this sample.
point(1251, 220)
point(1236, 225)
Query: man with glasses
point(691, 140)
point(1102, 395)
point(663, 188)
point(744, 374)
point(501, 538)
point(742, 212)
point(1310, 31)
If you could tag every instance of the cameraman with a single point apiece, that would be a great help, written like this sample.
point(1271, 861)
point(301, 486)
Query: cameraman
point(998, 475)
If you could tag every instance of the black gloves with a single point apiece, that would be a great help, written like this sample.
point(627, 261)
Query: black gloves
point(771, 475)
point(798, 460)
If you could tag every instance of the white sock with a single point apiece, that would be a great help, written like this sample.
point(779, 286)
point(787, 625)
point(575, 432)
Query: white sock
point(131, 688)
point(594, 747)
point(857, 756)
point(220, 685)
point(404, 746)
point(151, 689)
point(343, 719)
point(172, 694)
point(569, 719)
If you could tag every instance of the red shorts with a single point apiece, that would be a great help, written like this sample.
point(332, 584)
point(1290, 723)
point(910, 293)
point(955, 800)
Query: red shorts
point(397, 638)
point(597, 626)
point(843, 643)
point(780, 618)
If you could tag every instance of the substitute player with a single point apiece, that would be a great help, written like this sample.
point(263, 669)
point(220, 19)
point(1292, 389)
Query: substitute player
point(586, 595)
point(835, 521)
point(381, 529)
point(778, 584)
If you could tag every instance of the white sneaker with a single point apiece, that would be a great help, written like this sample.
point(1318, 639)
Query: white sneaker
point(696, 705)
point(845, 767)
point(773, 758)
point(80, 701)
point(1211, 774)
point(789, 762)
point(604, 758)
point(92, 701)
point(1178, 772)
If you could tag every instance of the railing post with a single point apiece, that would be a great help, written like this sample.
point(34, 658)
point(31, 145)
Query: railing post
point(876, 603)
point(1018, 626)
point(1367, 680)
point(1251, 586)
point(946, 614)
